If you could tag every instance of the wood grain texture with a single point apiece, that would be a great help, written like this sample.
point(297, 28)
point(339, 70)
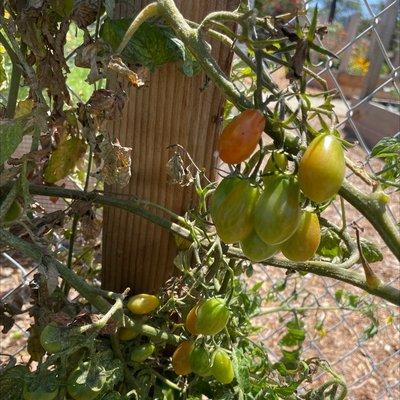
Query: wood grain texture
point(172, 108)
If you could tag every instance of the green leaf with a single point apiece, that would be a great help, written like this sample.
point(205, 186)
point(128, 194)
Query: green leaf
point(387, 147)
point(12, 382)
point(329, 246)
point(313, 26)
point(3, 75)
point(322, 50)
point(371, 252)
point(11, 134)
point(151, 46)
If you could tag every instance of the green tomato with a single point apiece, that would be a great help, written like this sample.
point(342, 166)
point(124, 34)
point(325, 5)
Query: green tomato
point(41, 387)
point(53, 339)
point(200, 362)
point(277, 213)
point(212, 317)
point(13, 213)
point(257, 250)
point(86, 382)
point(232, 209)
point(142, 352)
point(322, 168)
point(277, 163)
point(303, 244)
point(222, 368)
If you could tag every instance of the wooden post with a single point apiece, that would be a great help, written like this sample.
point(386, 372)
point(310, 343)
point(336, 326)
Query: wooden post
point(385, 30)
point(351, 33)
point(171, 109)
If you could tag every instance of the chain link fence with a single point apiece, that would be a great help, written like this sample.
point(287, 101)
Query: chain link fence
point(371, 367)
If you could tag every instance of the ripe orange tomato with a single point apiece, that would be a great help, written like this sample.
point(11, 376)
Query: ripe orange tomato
point(322, 168)
point(277, 212)
point(180, 358)
point(191, 320)
point(239, 138)
point(143, 303)
point(303, 244)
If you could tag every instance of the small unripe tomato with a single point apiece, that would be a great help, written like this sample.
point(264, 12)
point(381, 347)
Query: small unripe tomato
point(239, 138)
point(142, 304)
point(191, 320)
point(276, 164)
point(200, 362)
point(86, 382)
point(322, 168)
point(303, 244)
point(212, 317)
point(142, 352)
point(232, 210)
point(52, 339)
point(222, 368)
point(125, 333)
point(277, 212)
point(180, 358)
point(257, 250)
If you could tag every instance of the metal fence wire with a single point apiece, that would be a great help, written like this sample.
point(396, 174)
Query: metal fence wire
point(370, 367)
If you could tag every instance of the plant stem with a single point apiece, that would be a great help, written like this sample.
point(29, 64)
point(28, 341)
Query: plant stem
point(13, 92)
point(336, 271)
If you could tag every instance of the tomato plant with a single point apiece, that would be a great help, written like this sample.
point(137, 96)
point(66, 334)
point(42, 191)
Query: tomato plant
point(222, 367)
point(142, 304)
point(142, 352)
point(322, 168)
point(212, 317)
point(41, 387)
point(127, 333)
point(257, 250)
point(52, 338)
point(181, 358)
point(86, 382)
point(232, 216)
point(239, 138)
point(277, 212)
point(303, 244)
point(200, 362)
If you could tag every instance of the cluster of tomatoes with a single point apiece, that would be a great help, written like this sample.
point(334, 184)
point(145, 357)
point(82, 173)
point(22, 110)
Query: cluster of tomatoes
point(207, 318)
point(265, 215)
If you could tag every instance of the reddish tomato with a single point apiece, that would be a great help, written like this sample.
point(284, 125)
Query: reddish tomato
point(180, 358)
point(232, 210)
point(322, 168)
point(255, 249)
point(303, 244)
point(143, 303)
point(239, 138)
point(222, 367)
point(277, 213)
point(212, 317)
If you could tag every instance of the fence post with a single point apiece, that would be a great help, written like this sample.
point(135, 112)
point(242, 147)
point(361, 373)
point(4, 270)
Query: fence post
point(385, 30)
point(351, 28)
point(172, 108)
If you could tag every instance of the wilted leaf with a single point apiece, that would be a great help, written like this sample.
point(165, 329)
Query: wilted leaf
point(117, 65)
point(64, 159)
point(11, 134)
point(104, 103)
point(177, 170)
point(117, 163)
point(299, 57)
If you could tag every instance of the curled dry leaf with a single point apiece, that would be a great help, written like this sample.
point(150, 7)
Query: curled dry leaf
point(117, 65)
point(104, 102)
point(178, 172)
point(117, 163)
point(90, 226)
point(85, 12)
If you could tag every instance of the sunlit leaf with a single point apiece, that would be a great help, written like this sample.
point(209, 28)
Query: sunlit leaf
point(11, 134)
